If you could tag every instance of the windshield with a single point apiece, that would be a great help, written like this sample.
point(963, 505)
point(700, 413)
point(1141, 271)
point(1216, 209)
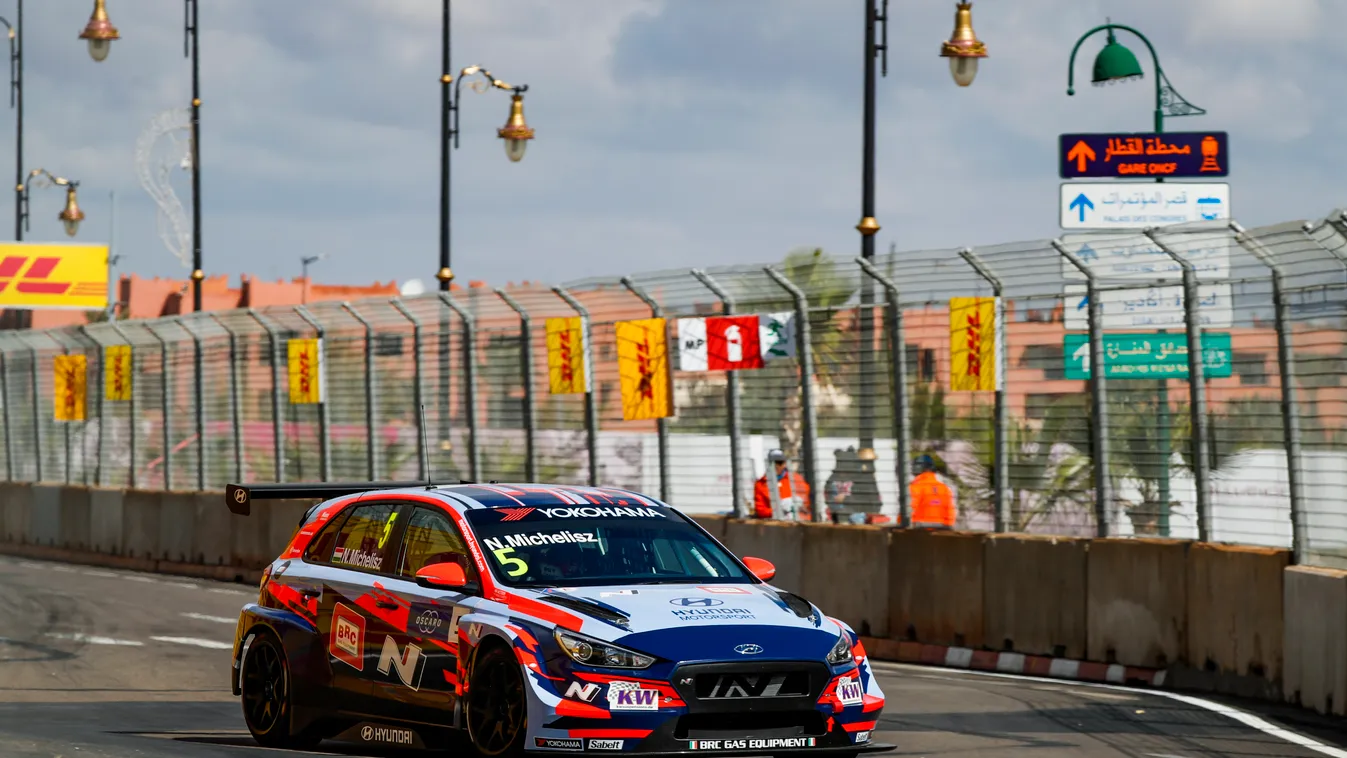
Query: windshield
point(587, 546)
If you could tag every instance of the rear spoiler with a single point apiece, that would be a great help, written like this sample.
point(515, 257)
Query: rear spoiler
point(239, 497)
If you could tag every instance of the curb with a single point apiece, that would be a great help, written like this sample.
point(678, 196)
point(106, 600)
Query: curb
point(1011, 663)
point(173, 568)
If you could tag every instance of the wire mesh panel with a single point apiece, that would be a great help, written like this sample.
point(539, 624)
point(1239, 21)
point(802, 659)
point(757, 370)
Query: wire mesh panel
point(444, 380)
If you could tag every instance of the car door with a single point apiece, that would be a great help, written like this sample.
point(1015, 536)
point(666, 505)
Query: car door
point(362, 612)
point(428, 647)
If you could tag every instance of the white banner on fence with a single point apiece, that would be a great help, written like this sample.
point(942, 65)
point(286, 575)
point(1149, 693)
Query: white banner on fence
point(776, 335)
point(1135, 256)
point(1150, 307)
point(691, 344)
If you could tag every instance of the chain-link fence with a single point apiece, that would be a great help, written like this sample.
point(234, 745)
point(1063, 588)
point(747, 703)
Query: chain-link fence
point(1254, 451)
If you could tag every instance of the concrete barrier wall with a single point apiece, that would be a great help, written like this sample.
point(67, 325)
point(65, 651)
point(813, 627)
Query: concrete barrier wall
point(1033, 595)
point(713, 524)
point(1230, 619)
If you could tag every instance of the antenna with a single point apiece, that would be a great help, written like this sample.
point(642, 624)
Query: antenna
point(425, 449)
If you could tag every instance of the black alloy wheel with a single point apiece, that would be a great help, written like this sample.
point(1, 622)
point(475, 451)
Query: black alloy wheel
point(266, 696)
point(497, 714)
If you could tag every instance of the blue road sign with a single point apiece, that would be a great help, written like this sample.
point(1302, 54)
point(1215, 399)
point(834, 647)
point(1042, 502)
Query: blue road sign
point(1082, 202)
point(1144, 155)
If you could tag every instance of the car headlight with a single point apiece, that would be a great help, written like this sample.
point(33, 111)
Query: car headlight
point(592, 652)
point(841, 652)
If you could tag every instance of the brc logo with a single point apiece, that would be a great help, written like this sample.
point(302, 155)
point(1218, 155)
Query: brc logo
point(34, 281)
point(348, 636)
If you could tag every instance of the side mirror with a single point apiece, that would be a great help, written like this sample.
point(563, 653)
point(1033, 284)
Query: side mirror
point(445, 576)
point(762, 569)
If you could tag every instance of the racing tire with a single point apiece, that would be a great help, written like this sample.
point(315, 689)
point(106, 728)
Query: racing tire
point(268, 700)
point(497, 713)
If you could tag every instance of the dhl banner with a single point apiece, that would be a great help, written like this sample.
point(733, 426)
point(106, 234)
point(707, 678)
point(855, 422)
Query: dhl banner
point(643, 367)
point(566, 351)
point(53, 275)
point(117, 372)
point(306, 371)
point(974, 337)
point(71, 382)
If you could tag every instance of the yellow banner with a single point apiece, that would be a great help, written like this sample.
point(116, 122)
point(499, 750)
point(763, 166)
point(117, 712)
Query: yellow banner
point(117, 372)
point(566, 356)
point(71, 386)
point(972, 344)
point(306, 371)
point(47, 275)
point(643, 367)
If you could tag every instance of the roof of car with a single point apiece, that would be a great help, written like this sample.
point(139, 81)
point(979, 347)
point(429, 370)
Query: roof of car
point(502, 495)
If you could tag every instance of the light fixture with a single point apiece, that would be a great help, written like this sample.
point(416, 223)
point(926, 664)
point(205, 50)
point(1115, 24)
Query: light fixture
point(963, 47)
point(1115, 63)
point(100, 32)
point(516, 132)
point(71, 216)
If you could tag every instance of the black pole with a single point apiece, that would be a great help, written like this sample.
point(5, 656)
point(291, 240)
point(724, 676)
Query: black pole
point(446, 105)
point(16, 83)
point(191, 41)
point(865, 497)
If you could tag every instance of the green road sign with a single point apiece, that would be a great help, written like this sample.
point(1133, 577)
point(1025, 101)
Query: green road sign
point(1148, 356)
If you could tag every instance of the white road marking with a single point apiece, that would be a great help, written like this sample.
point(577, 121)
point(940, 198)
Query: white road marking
point(1248, 719)
point(223, 591)
point(94, 639)
point(31, 565)
point(188, 585)
point(197, 641)
point(142, 579)
point(99, 573)
point(63, 569)
point(216, 619)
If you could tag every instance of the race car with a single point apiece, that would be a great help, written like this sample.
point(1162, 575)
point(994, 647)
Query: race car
point(536, 619)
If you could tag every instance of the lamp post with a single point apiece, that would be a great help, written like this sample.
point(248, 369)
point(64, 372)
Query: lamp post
point(100, 32)
point(16, 102)
point(304, 263)
point(1115, 63)
point(516, 133)
point(70, 215)
point(963, 49)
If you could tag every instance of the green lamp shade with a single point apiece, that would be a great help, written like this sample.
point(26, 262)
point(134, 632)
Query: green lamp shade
point(1115, 63)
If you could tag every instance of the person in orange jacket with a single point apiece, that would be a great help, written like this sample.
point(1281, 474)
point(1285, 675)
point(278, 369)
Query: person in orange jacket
point(932, 500)
point(789, 484)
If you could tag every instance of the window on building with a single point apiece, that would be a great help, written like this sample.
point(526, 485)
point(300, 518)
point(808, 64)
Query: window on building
point(1251, 368)
point(1045, 358)
point(388, 345)
point(920, 362)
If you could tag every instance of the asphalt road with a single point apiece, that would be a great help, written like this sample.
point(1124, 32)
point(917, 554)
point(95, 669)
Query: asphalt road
point(107, 664)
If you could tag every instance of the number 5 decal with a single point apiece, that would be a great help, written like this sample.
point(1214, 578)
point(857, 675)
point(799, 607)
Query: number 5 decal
point(388, 529)
point(503, 557)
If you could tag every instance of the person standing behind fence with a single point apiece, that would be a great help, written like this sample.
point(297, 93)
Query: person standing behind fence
point(789, 485)
point(932, 500)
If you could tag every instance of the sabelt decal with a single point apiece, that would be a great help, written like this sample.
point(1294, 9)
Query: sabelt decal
point(849, 691)
point(558, 743)
point(538, 538)
point(605, 744)
point(630, 696)
point(859, 737)
point(585, 692)
point(409, 663)
point(779, 743)
point(348, 636)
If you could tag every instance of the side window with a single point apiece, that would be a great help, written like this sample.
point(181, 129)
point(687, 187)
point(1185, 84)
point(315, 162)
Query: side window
point(365, 540)
point(320, 548)
point(432, 538)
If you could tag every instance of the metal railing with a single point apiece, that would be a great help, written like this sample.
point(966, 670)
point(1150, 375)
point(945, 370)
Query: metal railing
point(1255, 451)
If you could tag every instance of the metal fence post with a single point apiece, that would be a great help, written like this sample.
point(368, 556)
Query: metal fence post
point(1197, 389)
point(37, 410)
point(732, 401)
point(4, 408)
point(370, 458)
point(199, 402)
point(902, 421)
point(277, 381)
point(470, 381)
point(417, 387)
point(98, 391)
point(166, 394)
point(805, 356)
point(1289, 401)
point(591, 407)
point(1001, 454)
point(131, 407)
point(1103, 483)
point(324, 425)
point(235, 410)
point(661, 424)
point(526, 371)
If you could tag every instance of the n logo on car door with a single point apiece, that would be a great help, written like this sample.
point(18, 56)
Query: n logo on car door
point(409, 663)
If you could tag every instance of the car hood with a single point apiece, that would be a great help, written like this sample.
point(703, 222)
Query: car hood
point(671, 619)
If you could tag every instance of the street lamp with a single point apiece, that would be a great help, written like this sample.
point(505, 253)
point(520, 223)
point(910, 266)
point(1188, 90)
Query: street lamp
point(304, 263)
point(70, 215)
point(1115, 63)
point(963, 48)
point(100, 32)
point(16, 102)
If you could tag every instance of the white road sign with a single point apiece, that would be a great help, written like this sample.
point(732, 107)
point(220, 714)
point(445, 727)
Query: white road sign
point(1133, 205)
point(1134, 256)
point(1149, 308)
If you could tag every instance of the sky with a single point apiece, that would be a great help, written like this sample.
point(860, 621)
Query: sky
point(670, 133)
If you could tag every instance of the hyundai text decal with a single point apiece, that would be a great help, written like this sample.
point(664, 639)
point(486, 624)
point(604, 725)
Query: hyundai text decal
point(716, 614)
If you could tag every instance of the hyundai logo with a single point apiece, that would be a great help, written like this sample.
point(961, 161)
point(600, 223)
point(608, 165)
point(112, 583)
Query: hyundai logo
point(700, 602)
point(749, 649)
